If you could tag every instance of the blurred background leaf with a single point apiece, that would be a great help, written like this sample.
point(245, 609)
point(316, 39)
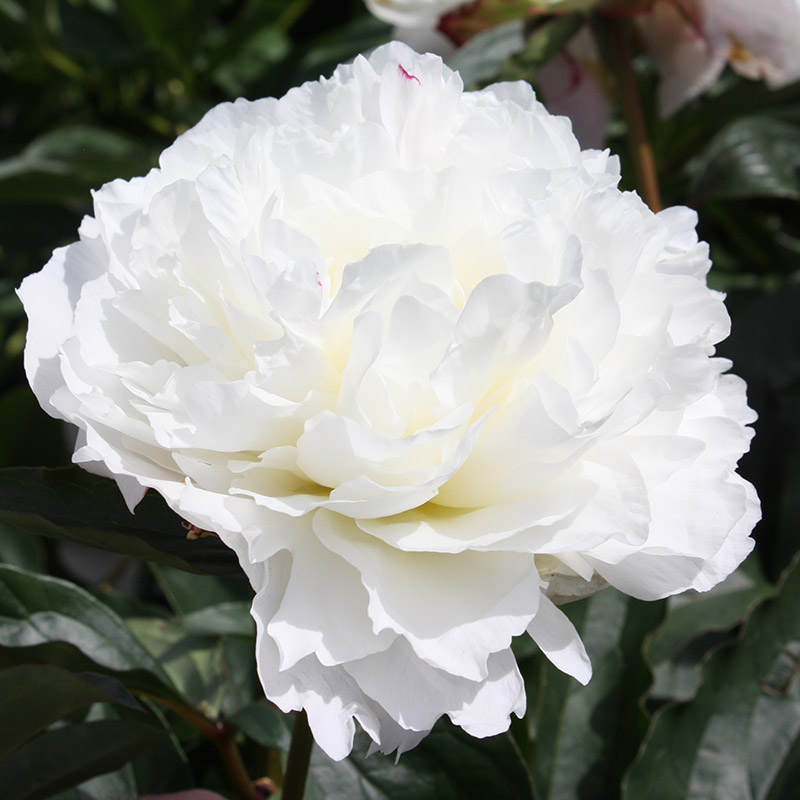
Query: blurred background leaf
point(64, 756)
point(73, 505)
point(37, 695)
point(447, 765)
point(740, 735)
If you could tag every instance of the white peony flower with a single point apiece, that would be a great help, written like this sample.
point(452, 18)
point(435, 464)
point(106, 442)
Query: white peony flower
point(413, 13)
point(420, 363)
point(692, 40)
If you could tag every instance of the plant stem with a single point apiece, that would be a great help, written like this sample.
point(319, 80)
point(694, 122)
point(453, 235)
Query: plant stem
point(299, 756)
point(223, 738)
point(232, 759)
point(620, 32)
point(198, 720)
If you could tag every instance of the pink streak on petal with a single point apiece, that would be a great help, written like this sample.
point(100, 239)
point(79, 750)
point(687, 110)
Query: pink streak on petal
point(407, 75)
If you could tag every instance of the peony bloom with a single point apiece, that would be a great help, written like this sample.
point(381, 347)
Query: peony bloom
point(413, 13)
point(692, 40)
point(420, 363)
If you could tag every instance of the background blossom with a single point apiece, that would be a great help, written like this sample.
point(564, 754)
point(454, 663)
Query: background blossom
point(412, 13)
point(416, 359)
point(691, 41)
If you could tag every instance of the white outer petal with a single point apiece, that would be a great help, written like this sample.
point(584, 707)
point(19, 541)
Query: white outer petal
point(559, 641)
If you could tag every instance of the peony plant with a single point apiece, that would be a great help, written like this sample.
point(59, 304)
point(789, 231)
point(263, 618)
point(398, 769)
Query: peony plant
point(414, 357)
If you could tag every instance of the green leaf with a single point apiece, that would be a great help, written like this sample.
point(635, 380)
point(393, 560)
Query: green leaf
point(20, 549)
point(256, 56)
point(731, 740)
point(13, 12)
point(586, 736)
point(187, 592)
point(93, 34)
point(36, 610)
point(214, 671)
point(66, 756)
point(786, 780)
point(161, 769)
point(695, 624)
point(482, 56)
point(694, 614)
point(543, 43)
point(35, 696)
point(111, 785)
point(265, 724)
point(338, 45)
point(126, 606)
point(121, 783)
point(65, 163)
point(448, 765)
point(750, 157)
point(231, 619)
point(75, 506)
point(155, 19)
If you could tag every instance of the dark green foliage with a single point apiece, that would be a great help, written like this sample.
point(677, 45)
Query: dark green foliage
point(448, 765)
point(732, 739)
point(72, 505)
point(63, 757)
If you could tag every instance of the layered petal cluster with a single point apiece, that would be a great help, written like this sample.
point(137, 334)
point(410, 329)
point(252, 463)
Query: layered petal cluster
point(691, 41)
point(413, 356)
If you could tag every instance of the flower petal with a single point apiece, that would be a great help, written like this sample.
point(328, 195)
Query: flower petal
point(559, 641)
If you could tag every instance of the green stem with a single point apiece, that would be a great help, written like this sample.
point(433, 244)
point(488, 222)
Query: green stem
point(294, 782)
point(234, 765)
point(620, 33)
point(223, 738)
